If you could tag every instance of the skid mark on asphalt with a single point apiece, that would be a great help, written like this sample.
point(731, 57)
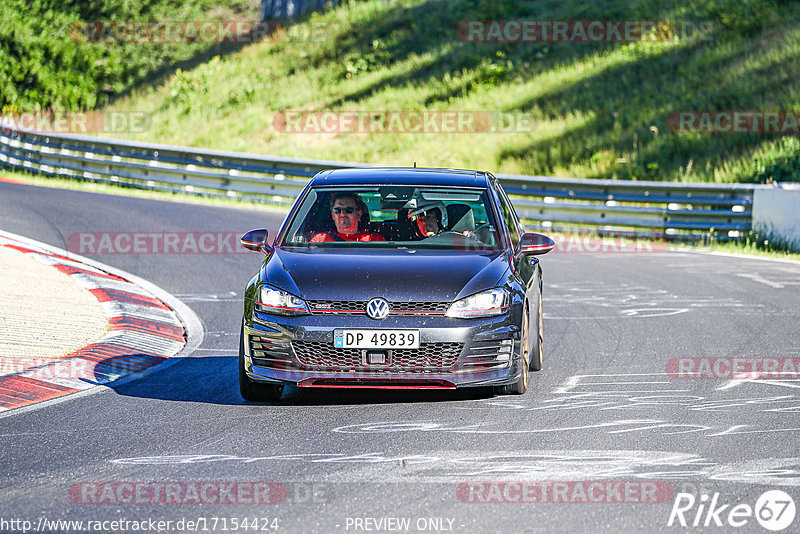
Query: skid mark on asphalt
point(601, 300)
point(760, 383)
point(452, 465)
point(595, 384)
point(620, 391)
point(774, 276)
point(619, 426)
point(591, 395)
point(755, 277)
point(663, 406)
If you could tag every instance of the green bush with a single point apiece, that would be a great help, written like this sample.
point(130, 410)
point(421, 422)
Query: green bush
point(47, 63)
point(745, 17)
point(785, 168)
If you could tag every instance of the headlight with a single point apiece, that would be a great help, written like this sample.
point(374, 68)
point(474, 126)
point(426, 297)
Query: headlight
point(485, 304)
point(280, 302)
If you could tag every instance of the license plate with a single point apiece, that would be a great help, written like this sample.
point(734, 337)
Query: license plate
point(376, 339)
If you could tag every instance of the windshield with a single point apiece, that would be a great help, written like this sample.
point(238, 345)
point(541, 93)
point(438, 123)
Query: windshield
point(414, 217)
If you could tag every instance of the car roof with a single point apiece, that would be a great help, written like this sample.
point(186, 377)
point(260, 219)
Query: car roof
point(401, 176)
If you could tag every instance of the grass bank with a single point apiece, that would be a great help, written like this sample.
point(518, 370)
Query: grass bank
point(593, 110)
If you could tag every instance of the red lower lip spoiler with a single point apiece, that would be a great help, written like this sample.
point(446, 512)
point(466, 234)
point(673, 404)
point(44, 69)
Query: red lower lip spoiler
point(368, 384)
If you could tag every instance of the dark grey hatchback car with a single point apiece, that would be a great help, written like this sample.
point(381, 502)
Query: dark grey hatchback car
point(398, 278)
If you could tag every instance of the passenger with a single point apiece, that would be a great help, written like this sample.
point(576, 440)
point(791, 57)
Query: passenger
point(347, 210)
point(430, 218)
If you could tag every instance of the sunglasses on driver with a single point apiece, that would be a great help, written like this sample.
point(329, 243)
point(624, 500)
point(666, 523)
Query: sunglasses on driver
point(348, 210)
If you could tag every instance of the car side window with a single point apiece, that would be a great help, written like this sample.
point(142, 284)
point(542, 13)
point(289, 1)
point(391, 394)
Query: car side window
point(512, 222)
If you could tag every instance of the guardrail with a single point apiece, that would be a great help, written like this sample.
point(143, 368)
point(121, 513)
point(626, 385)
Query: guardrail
point(655, 208)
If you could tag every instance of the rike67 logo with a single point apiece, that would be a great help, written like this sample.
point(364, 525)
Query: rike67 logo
point(774, 510)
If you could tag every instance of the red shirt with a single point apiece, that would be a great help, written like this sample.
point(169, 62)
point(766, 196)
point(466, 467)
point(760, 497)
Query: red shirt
point(323, 237)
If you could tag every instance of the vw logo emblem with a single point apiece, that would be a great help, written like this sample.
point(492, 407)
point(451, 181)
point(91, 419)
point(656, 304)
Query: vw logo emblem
point(377, 308)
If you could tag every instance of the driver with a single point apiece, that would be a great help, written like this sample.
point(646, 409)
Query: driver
point(346, 211)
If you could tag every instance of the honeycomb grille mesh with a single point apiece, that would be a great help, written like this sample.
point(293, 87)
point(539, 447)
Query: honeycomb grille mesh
point(429, 357)
point(419, 307)
point(334, 306)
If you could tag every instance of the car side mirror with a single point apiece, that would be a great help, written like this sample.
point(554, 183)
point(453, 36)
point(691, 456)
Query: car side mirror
point(256, 240)
point(533, 244)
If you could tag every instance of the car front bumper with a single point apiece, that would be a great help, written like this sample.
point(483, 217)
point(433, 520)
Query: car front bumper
point(454, 353)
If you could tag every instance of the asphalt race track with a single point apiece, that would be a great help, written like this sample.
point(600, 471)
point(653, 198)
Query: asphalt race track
point(605, 409)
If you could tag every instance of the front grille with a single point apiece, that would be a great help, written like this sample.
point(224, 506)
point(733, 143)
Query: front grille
point(337, 306)
point(411, 308)
point(358, 307)
point(429, 357)
point(271, 354)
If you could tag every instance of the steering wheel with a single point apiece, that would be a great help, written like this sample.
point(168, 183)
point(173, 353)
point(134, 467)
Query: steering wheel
point(470, 235)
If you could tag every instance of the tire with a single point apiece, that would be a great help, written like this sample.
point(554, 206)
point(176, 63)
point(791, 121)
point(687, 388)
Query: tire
point(536, 356)
point(521, 385)
point(252, 391)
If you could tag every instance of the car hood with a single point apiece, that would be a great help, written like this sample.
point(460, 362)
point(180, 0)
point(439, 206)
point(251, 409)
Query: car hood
point(396, 275)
